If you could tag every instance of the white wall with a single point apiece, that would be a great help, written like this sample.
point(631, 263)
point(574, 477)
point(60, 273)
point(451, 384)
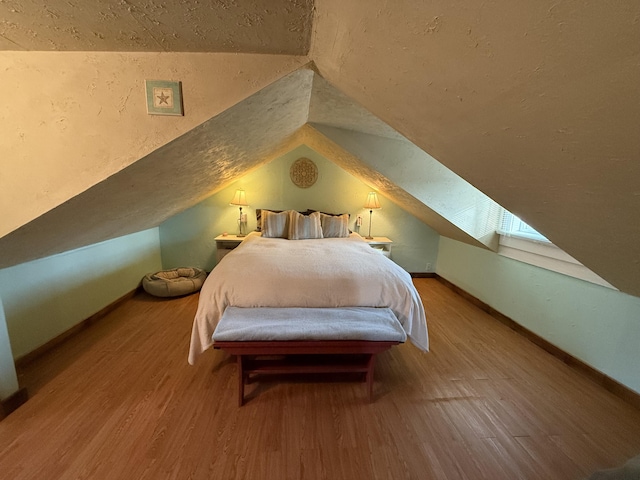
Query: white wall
point(595, 324)
point(46, 297)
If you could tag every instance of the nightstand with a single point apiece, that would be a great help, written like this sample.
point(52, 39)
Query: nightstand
point(380, 244)
point(226, 243)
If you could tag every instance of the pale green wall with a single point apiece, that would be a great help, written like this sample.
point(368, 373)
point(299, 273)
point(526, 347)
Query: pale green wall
point(8, 377)
point(595, 324)
point(187, 239)
point(46, 297)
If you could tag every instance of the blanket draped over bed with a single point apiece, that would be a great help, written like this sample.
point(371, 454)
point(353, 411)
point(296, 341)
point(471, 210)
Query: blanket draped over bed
point(322, 273)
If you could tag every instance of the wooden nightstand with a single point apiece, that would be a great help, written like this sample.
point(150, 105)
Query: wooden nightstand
point(226, 243)
point(381, 244)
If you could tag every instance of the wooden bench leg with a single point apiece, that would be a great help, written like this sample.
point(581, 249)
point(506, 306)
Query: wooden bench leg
point(370, 364)
point(249, 362)
point(241, 377)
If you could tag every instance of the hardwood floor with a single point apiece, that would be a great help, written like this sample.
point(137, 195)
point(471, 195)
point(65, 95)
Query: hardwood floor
point(119, 401)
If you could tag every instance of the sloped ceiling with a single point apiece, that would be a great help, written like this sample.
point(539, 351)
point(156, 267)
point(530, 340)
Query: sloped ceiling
point(207, 158)
point(250, 26)
point(361, 169)
point(393, 158)
point(536, 105)
point(172, 178)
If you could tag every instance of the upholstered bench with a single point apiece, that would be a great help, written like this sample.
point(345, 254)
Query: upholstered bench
point(306, 340)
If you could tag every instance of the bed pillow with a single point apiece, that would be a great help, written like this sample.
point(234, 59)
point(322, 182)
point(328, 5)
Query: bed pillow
point(309, 212)
point(302, 227)
point(334, 226)
point(275, 224)
point(259, 216)
point(258, 219)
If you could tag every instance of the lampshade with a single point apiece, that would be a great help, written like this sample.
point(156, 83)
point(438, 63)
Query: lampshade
point(372, 202)
point(240, 198)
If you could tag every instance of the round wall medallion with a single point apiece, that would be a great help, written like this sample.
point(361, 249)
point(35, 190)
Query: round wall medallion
point(303, 172)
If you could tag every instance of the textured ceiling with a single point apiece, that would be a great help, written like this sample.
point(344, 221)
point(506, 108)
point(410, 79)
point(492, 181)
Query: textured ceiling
point(168, 180)
point(267, 124)
point(249, 26)
point(207, 158)
point(536, 104)
point(457, 207)
point(331, 146)
point(330, 107)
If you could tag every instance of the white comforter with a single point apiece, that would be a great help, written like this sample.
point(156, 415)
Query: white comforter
point(331, 272)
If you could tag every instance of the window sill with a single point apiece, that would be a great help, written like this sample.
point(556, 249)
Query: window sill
point(546, 255)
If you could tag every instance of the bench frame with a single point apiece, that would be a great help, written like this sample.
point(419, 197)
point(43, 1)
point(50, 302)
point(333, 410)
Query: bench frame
point(359, 358)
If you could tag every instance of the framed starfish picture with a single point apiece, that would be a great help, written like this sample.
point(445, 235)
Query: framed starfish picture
point(164, 97)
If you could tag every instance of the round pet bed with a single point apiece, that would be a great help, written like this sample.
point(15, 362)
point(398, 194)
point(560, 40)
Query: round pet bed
point(174, 283)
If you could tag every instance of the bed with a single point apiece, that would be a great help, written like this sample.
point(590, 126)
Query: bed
point(318, 273)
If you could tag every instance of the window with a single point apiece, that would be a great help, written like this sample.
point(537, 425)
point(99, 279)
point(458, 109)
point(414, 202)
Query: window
point(511, 225)
point(521, 242)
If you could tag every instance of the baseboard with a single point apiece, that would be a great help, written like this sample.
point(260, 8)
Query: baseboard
point(598, 377)
point(11, 403)
point(423, 274)
point(54, 342)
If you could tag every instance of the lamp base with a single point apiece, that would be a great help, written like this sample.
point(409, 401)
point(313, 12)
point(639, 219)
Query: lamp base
point(369, 237)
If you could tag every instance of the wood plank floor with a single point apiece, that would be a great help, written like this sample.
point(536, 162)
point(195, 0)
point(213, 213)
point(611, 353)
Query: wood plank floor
point(119, 401)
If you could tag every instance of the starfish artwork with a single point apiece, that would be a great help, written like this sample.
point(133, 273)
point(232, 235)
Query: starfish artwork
point(164, 97)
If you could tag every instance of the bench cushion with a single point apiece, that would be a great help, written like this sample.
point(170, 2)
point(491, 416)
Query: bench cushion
point(308, 324)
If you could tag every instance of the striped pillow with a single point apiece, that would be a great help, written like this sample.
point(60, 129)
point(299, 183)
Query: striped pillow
point(303, 227)
point(334, 226)
point(259, 217)
point(275, 225)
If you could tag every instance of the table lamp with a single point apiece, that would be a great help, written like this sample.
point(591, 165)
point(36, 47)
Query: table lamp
point(240, 200)
point(372, 204)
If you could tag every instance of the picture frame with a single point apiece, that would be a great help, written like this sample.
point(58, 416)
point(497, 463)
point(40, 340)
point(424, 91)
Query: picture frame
point(164, 97)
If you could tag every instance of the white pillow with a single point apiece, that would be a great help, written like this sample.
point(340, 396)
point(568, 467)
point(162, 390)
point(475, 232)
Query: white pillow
point(303, 227)
point(334, 226)
point(275, 225)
